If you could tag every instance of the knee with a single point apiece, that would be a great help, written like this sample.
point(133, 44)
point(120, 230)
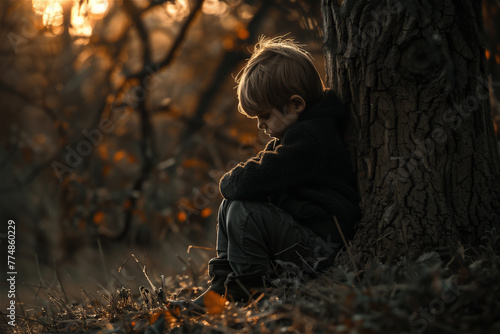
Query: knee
point(236, 211)
point(240, 210)
point(242, 213)
point(239, 214)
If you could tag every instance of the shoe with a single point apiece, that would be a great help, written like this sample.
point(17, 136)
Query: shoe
point(243, 288)
point(218, 270)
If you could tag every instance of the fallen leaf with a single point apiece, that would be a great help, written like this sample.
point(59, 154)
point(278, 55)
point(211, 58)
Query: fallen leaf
point(214, 303)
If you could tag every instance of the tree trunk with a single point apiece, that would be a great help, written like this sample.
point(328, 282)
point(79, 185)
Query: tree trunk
point(412, 74)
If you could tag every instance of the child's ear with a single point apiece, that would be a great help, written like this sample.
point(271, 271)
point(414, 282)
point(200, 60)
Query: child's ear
point(297, 104)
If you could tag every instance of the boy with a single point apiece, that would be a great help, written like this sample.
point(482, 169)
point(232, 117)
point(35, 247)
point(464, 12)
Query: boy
point(279, 205)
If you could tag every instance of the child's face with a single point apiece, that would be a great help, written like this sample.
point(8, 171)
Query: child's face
point(275, 123)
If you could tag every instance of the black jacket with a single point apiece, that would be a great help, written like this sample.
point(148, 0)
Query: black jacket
point(307, 173)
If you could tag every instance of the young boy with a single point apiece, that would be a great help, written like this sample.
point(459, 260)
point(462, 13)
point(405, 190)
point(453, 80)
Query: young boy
point(280, 204)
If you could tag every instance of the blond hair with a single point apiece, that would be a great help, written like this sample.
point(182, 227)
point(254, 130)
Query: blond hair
point(277, 69)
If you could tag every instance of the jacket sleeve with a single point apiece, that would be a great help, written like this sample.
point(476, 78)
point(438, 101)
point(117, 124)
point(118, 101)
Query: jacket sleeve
point(269, 148)
point(291, 163)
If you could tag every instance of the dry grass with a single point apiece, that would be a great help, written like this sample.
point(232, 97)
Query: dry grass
point(413, 295)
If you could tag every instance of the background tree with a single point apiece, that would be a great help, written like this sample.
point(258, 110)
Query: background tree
point(118, 118)
point(413, 74)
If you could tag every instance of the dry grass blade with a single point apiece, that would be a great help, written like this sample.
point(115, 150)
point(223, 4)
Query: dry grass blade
point(351, 257)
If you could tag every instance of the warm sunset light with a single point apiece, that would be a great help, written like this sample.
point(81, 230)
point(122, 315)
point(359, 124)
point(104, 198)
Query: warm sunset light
point(84, 14)
point(81, 26)
point(98, 8)
point(250, 166)
point(214, 7)
point(177, 10)
point(39, 6)
point(52, 13)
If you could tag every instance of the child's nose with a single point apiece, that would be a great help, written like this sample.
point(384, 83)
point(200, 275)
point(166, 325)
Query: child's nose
point(261, 125)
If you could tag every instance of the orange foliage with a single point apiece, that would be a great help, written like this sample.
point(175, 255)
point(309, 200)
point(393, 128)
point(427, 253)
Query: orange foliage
point(243, 33)
point(228, 43)
point(247, 138)
point(214, 302)
point(206, 212)
point(190, 163)
point(99, 217)
point(169, 318)
point(103, 152)
point(181, 216)
point(119, 155)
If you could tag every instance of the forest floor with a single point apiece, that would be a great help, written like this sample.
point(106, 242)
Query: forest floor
point(428, 293)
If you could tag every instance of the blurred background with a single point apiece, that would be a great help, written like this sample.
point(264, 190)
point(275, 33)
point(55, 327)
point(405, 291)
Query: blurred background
point(118, 119)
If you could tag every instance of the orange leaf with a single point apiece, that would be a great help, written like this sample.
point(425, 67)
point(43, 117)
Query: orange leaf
point(206, 212)
point(154, 317)
point(119, 155)
point(190, 163)
point(181, 216)
point(246, 138)
point(214, 303)
point(103, 152)
point(168, 317)
point(98, 217)
point(243, 33)
point(227, 43)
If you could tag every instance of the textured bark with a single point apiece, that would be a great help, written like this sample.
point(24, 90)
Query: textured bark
point(421, 137)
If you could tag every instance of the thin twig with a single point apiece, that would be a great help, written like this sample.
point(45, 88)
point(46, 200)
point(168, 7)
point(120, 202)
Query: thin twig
point(351, 257)
point(60, 283)
point(151, 68)
point(286, 249)
point(102, 260)
point(199, 247)
point(135, 15)
point(307, 264)
point(190, 267)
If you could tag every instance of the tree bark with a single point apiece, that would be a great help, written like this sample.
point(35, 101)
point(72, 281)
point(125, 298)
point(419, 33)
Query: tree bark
point(412, 74)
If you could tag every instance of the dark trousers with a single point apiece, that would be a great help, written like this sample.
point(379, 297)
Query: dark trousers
point(253, 235)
